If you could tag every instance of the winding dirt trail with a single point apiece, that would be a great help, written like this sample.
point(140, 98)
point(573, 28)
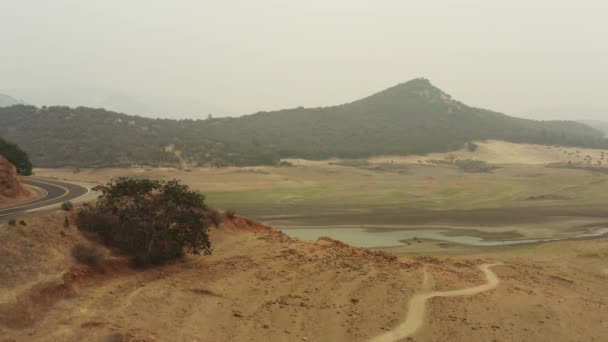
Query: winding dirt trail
point(416, 311)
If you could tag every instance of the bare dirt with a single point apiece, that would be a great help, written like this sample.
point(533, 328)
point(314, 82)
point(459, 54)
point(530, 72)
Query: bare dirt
point(260, 285)
point(11, 189)
point(417, 307)
point(502, 152)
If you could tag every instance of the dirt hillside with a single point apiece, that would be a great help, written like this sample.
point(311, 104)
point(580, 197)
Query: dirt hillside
point(11, 188)
point(260, 285)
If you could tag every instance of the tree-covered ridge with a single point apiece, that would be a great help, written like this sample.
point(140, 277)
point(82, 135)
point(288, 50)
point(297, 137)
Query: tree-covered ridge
point(63, 136)
point(414, 117)
point(16, 156)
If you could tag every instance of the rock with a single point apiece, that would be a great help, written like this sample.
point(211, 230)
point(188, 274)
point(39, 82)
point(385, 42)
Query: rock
point(237, 313)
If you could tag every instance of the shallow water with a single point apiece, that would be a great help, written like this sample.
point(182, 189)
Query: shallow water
point(369, 238)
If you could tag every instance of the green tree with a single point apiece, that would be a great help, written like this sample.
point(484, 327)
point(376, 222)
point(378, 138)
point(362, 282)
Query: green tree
point(16, 156)
point(155, 221)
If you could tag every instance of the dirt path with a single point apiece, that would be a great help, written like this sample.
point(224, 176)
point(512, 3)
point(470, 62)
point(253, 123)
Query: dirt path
point(416, 312)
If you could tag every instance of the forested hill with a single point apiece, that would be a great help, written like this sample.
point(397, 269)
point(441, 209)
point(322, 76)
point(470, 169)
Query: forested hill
point(413, 117)
point(597, 124)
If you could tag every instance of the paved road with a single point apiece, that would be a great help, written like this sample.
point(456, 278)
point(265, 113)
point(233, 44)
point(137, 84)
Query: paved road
point(54, 193)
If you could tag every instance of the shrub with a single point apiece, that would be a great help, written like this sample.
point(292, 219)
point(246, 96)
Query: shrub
point(12, 222)
point(472, 147)
point(215, 217)
point(231, 213)
point(23, 223)
point(88, 255)
point(474, 166)
point(152, 221)
point(284, 163)
point(66, 222)
point(67, 206)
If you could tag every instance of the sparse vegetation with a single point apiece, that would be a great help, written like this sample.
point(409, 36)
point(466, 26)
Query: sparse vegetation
point(474, 166)
point(361, 163)
point(440, 162)
point(389, 167)
point(12, 222)
point(216, 218)
point(231, 214)
point(67, 206)
point(150, 220)
point(366, 165)
point(23, 223)
point(89, 255)
point(284, 163)
point(588, 167)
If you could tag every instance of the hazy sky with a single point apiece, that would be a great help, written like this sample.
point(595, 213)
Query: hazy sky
point(535, 58)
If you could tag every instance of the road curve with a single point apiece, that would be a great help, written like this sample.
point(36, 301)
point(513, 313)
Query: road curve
point(54, 192)
point(416, 310)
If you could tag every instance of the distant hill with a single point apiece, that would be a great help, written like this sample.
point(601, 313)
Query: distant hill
point(7, 101)
point(413, 117)
point(597, 124)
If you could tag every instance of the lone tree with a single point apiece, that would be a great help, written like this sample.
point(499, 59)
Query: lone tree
point(151, 220)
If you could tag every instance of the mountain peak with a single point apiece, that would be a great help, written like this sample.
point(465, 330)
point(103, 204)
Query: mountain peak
point(417, 85)
point(418, 82)
point(420, 88)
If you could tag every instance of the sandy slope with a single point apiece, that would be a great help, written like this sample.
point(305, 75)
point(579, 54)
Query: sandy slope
point(258, 285)
point(502, 152)
point(417, 306)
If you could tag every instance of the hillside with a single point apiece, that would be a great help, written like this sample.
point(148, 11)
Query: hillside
point(10, 186)
point(413, 117)
point(597, 124)
point(260, 285)
point(15, 155)
point(410, 118)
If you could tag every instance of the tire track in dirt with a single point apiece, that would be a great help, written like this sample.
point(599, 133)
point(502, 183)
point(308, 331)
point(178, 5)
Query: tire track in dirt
point(417, 306)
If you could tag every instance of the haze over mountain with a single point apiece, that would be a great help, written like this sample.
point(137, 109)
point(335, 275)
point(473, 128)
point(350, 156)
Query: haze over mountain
point(597, 124)
point(7, 101)
point(235, 57)
point(410, 118)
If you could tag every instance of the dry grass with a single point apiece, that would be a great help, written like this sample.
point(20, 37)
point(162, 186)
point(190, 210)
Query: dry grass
point(37, 251)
